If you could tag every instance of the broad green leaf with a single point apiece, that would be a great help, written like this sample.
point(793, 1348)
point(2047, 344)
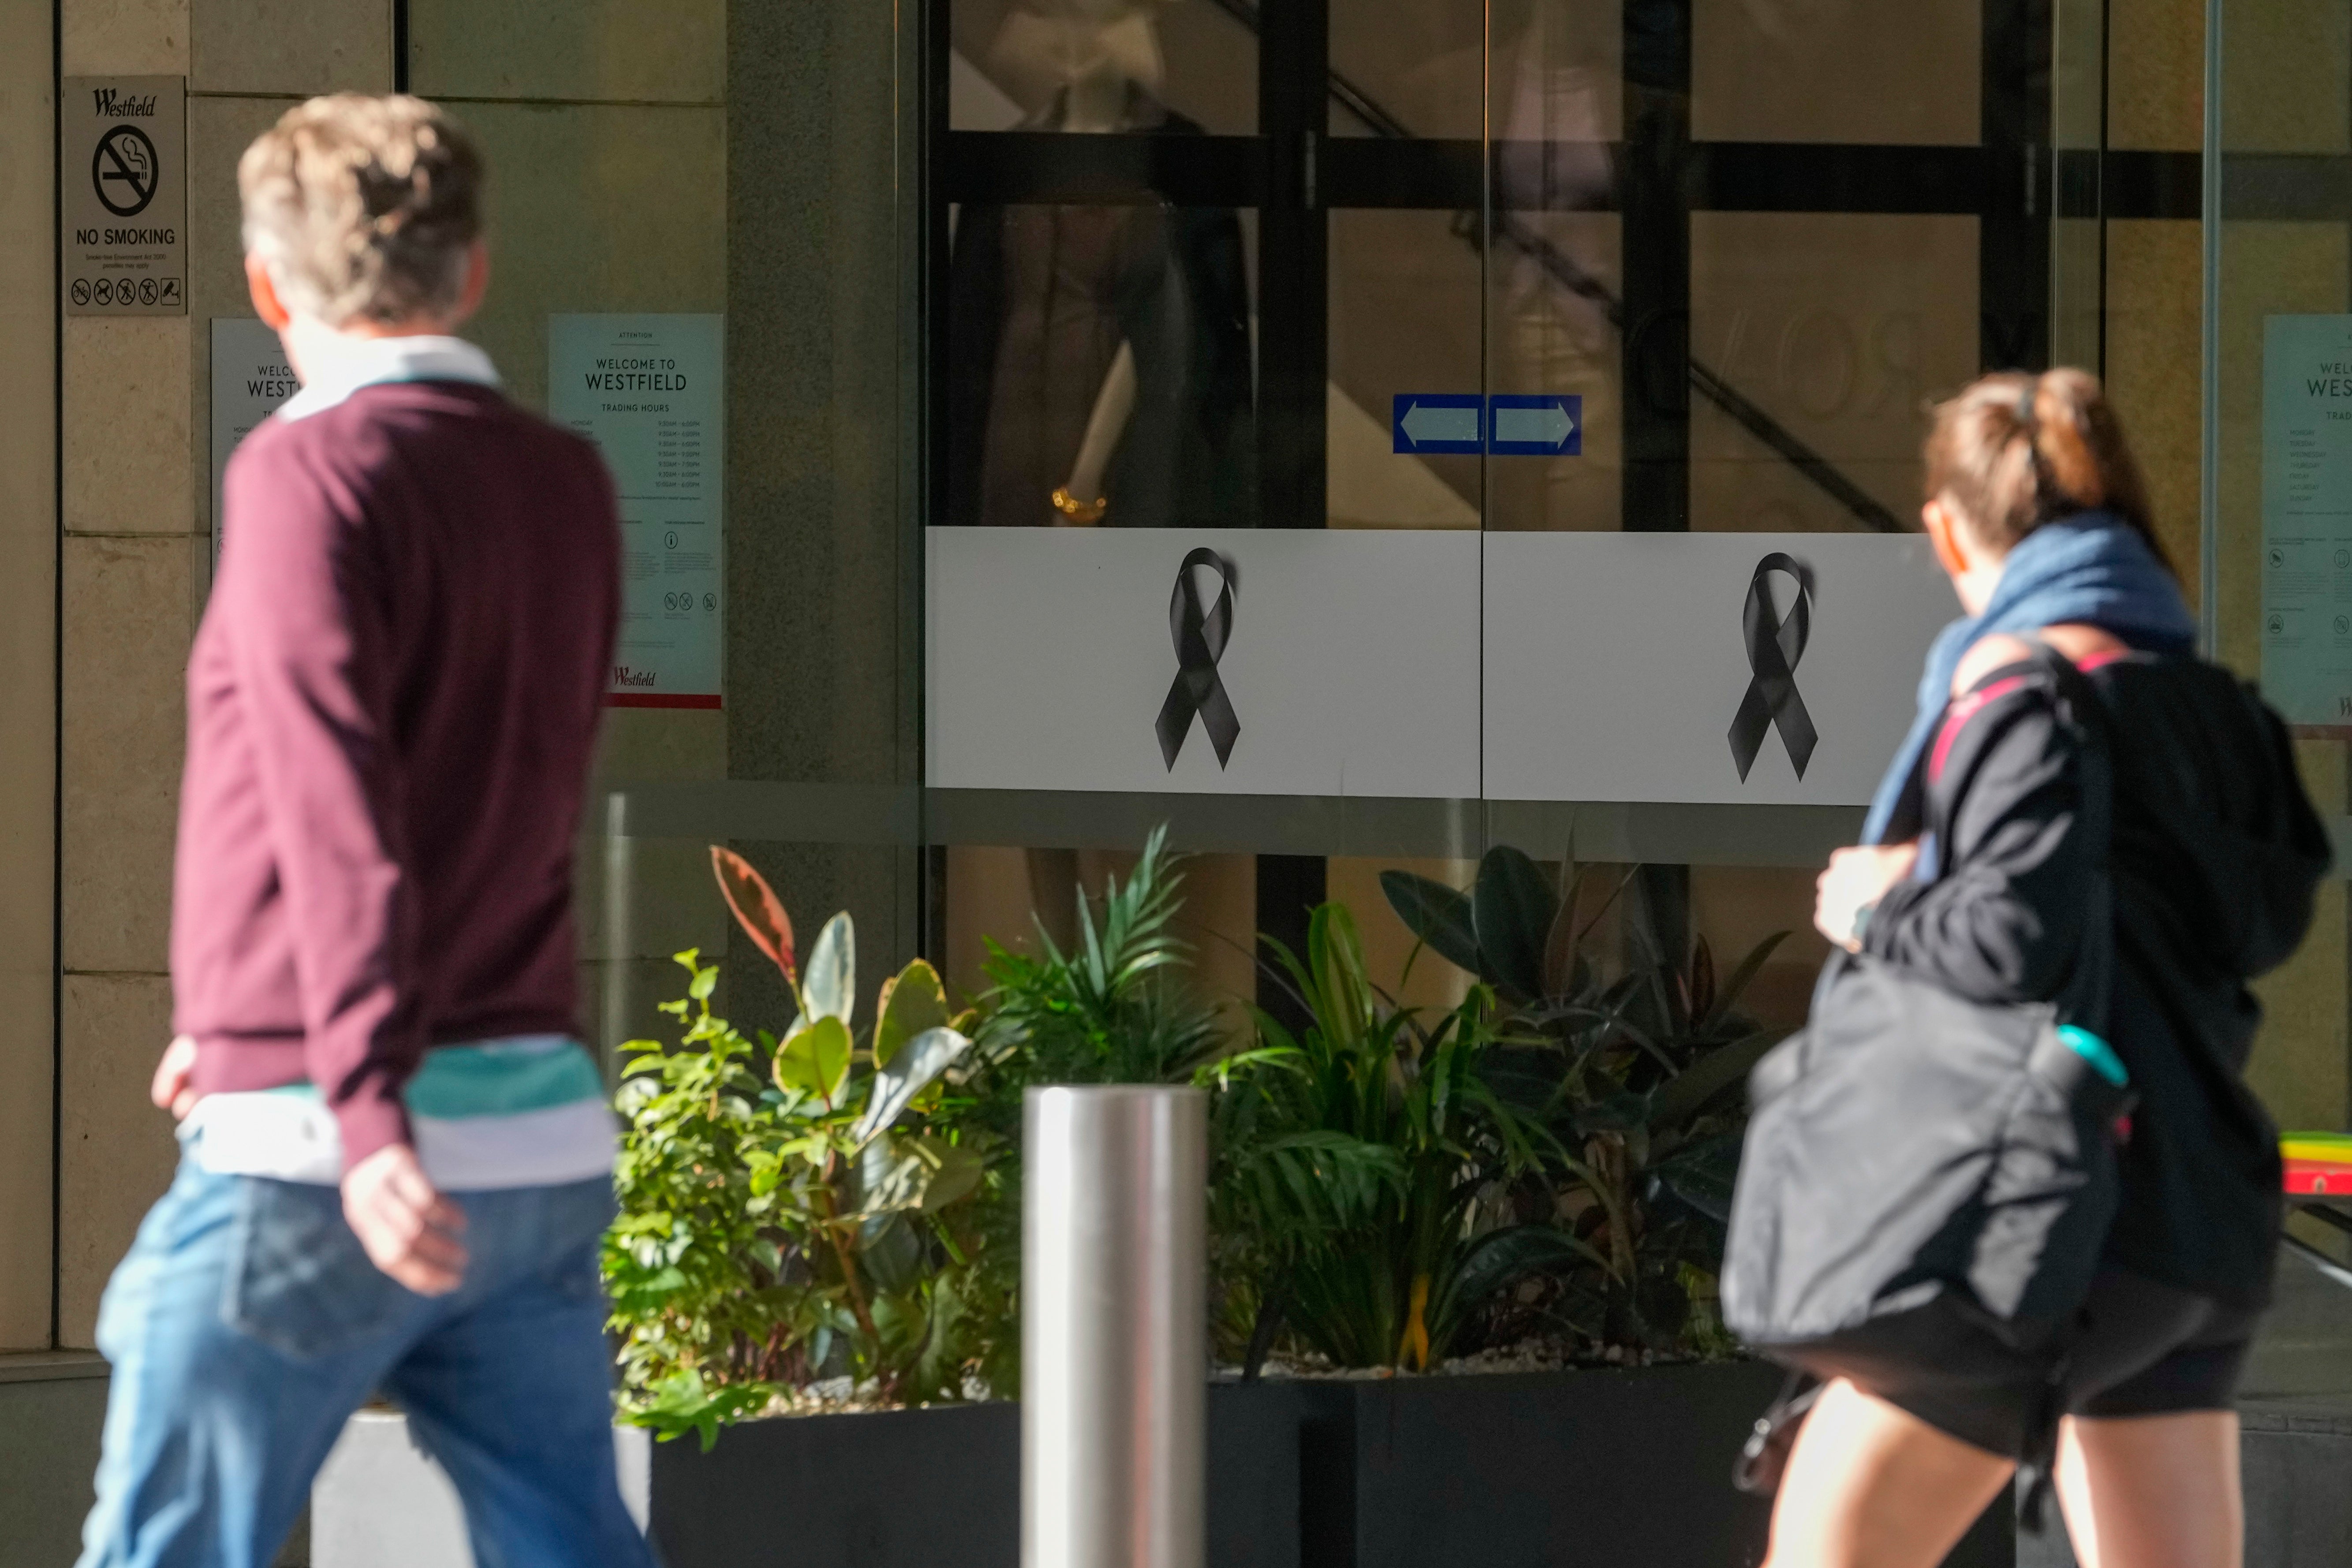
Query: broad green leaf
point(815, 1059)
point(1703, 1175)
point(1702, 981)
point(910, 1072)
point(1511, 910)
point(829, 987)
point(958, 1174)
point(1727, 997)
point(1437, 914)
point(1501, 1258)
point(1688, 1092)
point(1619, 1112)
point(912, 1000)
point(892, 1175)
point(890, 1252)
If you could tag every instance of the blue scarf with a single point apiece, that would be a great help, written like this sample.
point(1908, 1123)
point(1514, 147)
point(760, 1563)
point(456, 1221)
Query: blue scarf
point(2092, 569)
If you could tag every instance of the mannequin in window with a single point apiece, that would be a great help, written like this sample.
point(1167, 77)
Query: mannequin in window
point(1099, 362)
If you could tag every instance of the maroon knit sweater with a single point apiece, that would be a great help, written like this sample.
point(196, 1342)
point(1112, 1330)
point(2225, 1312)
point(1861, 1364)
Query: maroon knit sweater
point(392, 703)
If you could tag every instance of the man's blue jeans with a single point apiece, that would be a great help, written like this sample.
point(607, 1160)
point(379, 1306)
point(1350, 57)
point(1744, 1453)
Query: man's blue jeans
point(247, 1323)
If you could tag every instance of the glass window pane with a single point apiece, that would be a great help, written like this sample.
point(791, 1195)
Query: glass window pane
point(2281, 287)
point(631, 51)
point(1404, 320)
point(1422, 63)
point(1871, 71)
point(1553, 283)
point(1114, 64)
point(1104, 352)
point(1839, 326)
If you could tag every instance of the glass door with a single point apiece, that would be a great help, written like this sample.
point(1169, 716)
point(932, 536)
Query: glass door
point(2275, 560)
point(1512, 273)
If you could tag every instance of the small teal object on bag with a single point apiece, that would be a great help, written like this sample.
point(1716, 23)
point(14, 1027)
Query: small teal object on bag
point(2098, 1052)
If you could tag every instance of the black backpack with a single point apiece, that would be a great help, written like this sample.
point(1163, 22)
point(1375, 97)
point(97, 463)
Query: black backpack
point(1926, 1177)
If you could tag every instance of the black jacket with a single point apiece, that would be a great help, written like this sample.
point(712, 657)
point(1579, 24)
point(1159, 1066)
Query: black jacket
point(2216, 856)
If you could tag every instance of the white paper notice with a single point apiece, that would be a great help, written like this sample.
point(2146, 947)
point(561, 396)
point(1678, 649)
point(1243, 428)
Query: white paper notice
point(646, 389)
point(250, 378)
point(2307, 518)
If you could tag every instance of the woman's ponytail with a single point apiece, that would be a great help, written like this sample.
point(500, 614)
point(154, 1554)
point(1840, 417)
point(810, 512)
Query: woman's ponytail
point(2014, 451)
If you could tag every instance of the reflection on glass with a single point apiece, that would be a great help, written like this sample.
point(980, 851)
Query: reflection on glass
point(1396, 961)
point(1734, 907)
point(1012, 59)
point(1403, 319)
point(1839, 326)
point(1879, 71)
point(1555, 284)
point(1099, 367)
point(1422, 61)
point(1555, 276)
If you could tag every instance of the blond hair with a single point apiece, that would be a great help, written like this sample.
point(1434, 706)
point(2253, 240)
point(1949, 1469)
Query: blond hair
point(363, 206)
point(2015, 451)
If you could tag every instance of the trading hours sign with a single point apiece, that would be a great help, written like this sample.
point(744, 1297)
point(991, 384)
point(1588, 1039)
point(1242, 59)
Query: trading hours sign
point(647, 389)
point(122, 169)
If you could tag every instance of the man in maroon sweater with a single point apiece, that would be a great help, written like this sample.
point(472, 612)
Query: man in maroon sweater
point(396, 1154)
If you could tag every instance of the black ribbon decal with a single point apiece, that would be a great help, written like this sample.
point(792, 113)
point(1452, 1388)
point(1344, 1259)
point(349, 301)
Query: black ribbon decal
point(1774, 647)
point(1200, 637)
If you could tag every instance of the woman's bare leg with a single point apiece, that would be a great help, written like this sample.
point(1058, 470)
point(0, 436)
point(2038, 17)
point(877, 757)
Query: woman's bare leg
point(1871, 1486)
point(2153, 1491)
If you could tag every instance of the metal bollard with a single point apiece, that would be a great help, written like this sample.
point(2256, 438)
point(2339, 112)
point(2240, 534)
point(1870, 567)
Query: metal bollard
point(1114, 1357)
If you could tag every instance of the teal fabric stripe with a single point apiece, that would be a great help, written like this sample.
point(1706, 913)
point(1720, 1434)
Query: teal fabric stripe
point(2098, 1052)
point(501, 1080)
point(503, 1077)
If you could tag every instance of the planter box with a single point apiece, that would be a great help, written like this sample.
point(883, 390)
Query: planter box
point(913, 1489)
point(1614, 1469)
point(1617, 1468)
point(1581, 1469)
point(901, 1489)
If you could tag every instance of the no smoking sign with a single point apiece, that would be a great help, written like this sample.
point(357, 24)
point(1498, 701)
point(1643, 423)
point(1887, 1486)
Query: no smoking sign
point(122, 172)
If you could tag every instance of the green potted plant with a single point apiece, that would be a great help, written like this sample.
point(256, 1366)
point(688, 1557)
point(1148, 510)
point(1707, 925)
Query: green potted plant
point(774, 1233)
point(1635, 1078)
point(837, 1210)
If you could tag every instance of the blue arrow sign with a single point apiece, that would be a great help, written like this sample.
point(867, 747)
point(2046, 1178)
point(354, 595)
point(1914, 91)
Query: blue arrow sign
point(1508, 424)
point(1424, 421)
point(1540, 424)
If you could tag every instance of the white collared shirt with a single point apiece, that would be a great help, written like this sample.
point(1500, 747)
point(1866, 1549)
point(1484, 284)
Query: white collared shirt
point(355, 361)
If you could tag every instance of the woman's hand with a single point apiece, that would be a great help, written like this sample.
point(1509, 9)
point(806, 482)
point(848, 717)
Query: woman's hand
point(1857, 879)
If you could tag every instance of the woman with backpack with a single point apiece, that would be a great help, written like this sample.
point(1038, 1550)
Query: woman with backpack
point(2007, 1197)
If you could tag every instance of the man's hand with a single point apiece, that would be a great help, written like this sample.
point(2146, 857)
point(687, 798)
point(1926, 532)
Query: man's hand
point(170, 1091)
point(410, 1230)
point(1856, 879)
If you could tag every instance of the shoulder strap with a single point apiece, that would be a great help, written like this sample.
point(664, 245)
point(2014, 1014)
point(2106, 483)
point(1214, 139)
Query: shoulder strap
point(2084, 1001)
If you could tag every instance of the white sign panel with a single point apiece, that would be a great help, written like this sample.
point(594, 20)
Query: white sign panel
point(2307, 518)
point(250, 378)
point(1295, 662)
point(646, 389)
point(1690, 667)
point(122, 188)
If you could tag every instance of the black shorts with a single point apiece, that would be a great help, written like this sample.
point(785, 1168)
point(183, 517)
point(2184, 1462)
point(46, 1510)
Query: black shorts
point(2145, 1348)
